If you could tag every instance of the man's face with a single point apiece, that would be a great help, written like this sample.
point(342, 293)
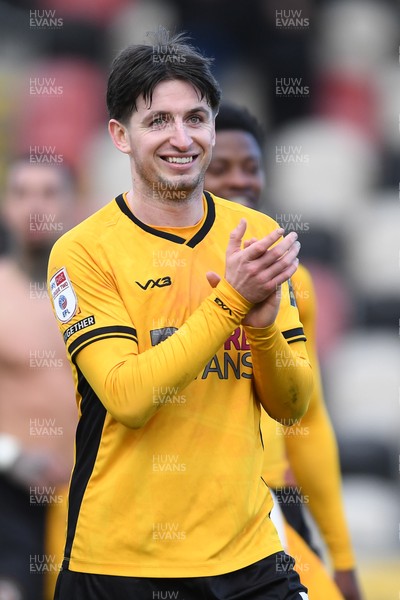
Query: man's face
point(37, 204)
point(170, 141)
point(235, 170)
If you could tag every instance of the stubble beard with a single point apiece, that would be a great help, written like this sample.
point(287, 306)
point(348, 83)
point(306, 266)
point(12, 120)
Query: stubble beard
point(176, 190)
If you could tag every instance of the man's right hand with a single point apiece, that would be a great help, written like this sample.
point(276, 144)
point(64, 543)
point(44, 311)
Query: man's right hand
point(257, 270)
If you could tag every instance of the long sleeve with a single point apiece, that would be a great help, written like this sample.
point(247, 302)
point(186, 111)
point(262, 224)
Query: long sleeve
point(125, 381)
point(313, 456)
point(281, 373)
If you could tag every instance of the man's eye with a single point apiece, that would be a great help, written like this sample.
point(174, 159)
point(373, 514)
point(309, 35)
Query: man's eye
point(159, 121)
point(194, 120)
point(218, 169)
point(252, 169)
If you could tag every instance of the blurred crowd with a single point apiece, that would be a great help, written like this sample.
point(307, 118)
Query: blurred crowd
point(323, 77)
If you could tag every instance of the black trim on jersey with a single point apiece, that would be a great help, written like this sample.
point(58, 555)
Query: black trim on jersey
point(122, 330)
point(101, 337)
point(208, 223)
point(177, 239)
point(299, 339)
point(87, 443)
point(290, 333)
point(261, 435)
point(164, 234)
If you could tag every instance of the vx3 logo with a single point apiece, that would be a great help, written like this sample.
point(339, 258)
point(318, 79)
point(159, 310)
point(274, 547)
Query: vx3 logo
point(151, 283)
point(222, 305)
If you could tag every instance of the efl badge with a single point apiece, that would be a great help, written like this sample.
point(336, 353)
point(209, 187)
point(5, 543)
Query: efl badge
point(64, 297)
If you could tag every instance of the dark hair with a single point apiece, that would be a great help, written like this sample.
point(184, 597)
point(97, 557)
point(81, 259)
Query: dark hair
point(139, 68)
point(231, 116)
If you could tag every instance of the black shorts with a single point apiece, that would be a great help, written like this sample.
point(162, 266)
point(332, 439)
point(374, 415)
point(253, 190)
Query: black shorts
point(272, 578)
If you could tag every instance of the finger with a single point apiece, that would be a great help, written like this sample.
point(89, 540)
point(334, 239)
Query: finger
point(213, 279)
point(285, 261)
point(249, 242)
point(280, 268)
point(279, 271)
point(275, 283)
point(291, 252)
point(260, 247)
point(278, 251)
point(235, 238)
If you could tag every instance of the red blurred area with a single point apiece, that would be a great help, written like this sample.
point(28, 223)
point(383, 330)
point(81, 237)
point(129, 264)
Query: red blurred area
point(98, 11)
point(335, 308)
point(348, 98)
point(64, 107)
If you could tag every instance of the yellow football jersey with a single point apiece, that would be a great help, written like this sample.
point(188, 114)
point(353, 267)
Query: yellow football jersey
point(167, 480)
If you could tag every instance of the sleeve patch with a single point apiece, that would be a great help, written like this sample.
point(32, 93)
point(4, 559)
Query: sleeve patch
point(64, 298)
point(82, 324)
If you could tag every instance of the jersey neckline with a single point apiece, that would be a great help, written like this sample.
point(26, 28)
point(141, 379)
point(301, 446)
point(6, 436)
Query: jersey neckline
point(177, 239)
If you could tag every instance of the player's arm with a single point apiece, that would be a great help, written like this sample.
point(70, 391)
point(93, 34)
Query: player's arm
point(102, 341)
point(282, 374)
point(125, 380)
point(272, 326)
point(106, 353)
point(314, 456)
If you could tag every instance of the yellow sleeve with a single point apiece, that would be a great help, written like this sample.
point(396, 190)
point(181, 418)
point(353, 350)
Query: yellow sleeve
point(313, 456)
point(125, 381)
point(283, 390)
point(101, 339)
point(281, 371)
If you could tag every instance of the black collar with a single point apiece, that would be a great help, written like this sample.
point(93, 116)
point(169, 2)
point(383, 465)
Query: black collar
point(192, 242)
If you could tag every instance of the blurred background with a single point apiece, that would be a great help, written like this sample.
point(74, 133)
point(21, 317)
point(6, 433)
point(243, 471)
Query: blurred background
point(323, 77)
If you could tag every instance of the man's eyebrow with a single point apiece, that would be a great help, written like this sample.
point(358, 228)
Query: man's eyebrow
point(155, 113)
point(200, 108)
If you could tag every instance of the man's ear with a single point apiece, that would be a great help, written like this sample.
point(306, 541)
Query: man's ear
point(119, 136)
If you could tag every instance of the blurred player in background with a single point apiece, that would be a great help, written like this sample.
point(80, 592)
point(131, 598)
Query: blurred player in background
point(37, 416)
point(308, 457)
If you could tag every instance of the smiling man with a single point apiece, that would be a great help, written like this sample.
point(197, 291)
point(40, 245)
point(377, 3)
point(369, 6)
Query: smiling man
point(173, 326)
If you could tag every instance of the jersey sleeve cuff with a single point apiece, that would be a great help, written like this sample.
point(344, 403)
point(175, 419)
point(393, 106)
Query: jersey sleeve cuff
point(231, 299)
